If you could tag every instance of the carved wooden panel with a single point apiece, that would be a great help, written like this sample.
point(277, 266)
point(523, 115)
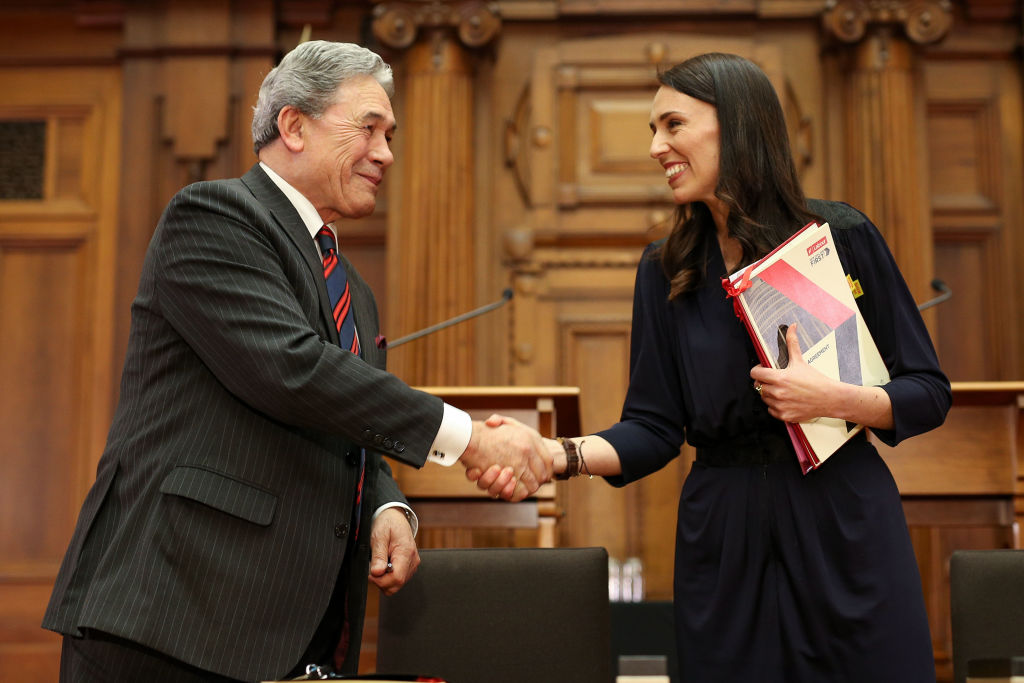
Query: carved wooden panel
point(579, 140)
point(57, 257)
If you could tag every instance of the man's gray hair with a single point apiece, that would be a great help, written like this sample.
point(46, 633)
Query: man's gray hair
point(307, 79)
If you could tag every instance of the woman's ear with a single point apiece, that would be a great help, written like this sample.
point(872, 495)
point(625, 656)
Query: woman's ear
point(290, 122)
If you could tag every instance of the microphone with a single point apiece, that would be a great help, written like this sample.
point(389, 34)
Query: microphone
point(944, 293)
point(383, 343)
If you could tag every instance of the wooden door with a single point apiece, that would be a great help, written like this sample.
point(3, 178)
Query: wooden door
point(59, 146)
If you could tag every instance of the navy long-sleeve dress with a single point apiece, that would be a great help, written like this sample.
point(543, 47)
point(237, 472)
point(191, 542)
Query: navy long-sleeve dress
point(781, 576)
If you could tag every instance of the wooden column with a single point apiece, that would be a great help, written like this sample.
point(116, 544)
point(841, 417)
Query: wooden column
point(431, 252)
point(884, 146)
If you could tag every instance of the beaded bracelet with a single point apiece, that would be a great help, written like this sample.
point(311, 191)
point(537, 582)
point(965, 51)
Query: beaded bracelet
point(583, 463)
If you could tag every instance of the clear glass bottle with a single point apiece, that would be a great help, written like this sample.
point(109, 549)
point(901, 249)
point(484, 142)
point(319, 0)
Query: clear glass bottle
point(632, 589)
point(614, 580)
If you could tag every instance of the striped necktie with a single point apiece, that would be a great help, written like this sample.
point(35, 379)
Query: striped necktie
point(338, 291)
point(341, 303)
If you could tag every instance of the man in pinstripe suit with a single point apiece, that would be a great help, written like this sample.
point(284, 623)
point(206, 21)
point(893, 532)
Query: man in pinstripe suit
point(222, 540)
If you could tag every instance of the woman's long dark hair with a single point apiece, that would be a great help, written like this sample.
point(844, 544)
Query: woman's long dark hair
point(757, 179)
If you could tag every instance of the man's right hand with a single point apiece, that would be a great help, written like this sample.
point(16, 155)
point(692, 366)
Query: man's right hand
point(513, 447)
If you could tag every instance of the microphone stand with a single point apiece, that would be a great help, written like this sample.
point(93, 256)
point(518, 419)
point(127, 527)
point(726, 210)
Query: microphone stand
point(938, 285)
point(383, 343)
point(944, 293)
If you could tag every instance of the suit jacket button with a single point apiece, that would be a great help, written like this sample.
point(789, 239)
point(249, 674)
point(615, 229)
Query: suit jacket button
point(341, 530)
point(367, 433)
point(387, 443)
point(378, 439)
point(399, 447)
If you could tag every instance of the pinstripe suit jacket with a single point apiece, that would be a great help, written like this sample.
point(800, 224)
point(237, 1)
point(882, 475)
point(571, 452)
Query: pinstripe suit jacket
point(222, 508)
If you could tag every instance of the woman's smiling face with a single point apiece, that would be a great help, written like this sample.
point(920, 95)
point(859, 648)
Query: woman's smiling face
point(686, 144)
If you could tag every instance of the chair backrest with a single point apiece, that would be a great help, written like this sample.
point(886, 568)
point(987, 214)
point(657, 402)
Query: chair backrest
point(501, 615)
point(986, 606)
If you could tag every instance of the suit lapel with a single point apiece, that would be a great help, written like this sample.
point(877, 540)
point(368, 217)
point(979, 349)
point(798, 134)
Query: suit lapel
point(269, 195)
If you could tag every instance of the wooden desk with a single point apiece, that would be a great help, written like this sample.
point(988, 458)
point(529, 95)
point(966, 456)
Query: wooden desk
point(976, 457)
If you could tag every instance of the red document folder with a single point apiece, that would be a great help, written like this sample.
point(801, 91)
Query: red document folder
point(802, 281)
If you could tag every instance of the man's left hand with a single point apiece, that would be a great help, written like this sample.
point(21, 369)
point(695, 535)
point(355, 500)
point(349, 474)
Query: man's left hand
point(391, 541)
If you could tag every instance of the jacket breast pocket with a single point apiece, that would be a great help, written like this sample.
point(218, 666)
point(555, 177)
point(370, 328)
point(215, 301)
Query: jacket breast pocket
point(221, 492)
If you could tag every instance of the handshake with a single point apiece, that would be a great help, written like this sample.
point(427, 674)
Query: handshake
point(510, 460)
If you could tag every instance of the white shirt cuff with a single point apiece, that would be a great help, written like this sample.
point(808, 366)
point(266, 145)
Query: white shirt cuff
point(414, 521)
point(453, 436)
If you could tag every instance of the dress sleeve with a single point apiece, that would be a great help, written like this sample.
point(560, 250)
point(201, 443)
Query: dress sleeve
point(919, 391)
point(651, 429)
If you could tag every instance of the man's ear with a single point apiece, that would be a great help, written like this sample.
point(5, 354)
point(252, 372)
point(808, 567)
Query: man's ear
point(290, 122)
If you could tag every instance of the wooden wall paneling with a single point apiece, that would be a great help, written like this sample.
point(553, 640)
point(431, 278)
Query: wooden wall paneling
point(492, 331)
point(46, 33)
point(195, 114)
point(1011, 171)
point(142, 197)
point(967, 259)
point(974, 126)
point(57, 257)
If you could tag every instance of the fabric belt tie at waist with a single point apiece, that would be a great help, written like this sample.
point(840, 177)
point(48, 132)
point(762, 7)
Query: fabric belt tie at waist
point(764, 448)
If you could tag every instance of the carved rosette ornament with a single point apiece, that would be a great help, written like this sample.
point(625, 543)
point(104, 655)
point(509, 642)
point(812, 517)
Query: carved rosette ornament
point(923, 21)
point(396, 24)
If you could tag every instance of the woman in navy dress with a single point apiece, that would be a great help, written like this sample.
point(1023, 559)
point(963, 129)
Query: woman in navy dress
point(779, 576)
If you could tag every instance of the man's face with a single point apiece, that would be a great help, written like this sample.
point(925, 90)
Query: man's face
point(347, 150)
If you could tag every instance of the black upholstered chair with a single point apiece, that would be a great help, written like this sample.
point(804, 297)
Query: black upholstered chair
point(501, 615)
point(986, 606)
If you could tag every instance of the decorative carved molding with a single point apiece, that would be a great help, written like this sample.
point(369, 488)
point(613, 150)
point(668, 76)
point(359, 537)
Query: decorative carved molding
point(396, 24)
point(516, 154)
point(923, 21)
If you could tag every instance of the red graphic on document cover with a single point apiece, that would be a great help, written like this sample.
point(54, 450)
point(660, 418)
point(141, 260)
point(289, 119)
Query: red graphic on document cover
point(780, 295)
